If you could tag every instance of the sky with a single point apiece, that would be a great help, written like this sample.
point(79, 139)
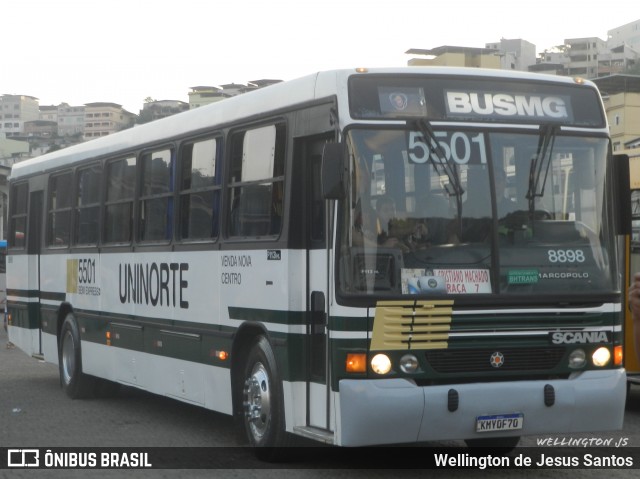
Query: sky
point(124, 51)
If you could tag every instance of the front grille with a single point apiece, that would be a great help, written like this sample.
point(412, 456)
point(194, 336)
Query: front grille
point(411, 325)
point(479, 360)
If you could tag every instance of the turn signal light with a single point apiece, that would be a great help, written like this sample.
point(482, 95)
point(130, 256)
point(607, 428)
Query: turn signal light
point(356, 363)
point(222, 355)
point(618, 355)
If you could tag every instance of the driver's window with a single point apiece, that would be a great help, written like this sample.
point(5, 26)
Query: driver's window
point(477, 198)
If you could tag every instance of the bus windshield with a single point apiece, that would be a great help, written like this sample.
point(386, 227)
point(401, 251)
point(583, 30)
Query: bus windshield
point(475, 211)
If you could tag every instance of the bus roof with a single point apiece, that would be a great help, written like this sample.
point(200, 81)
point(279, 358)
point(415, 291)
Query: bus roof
point(270, 98)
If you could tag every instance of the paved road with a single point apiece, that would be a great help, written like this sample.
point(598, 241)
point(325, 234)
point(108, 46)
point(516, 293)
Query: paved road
point(34, 412)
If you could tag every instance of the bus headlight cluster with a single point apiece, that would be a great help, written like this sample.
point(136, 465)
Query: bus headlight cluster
point(381, 364)
point(408, 363)
point(601, 357)
point(577, 359)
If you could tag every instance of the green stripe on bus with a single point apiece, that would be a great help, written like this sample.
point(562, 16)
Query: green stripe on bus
point(267, 315)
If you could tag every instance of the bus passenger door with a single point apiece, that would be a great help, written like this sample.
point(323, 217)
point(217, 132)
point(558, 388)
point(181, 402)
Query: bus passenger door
point(318, 371)
point(34, 242)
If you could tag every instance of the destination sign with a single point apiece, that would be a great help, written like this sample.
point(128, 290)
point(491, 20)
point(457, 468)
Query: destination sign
point(503, 105)
point(474, 98)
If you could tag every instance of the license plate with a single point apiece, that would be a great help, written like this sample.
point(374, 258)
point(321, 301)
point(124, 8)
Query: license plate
point(499, 422)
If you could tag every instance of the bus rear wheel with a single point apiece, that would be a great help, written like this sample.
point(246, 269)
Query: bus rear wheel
point(263, 406)
point(75, 383)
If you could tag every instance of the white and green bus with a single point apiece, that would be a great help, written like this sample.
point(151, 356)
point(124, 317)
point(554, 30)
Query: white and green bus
point(371, 256)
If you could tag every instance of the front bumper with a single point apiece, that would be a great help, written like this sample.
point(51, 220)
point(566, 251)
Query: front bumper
point(395, 411)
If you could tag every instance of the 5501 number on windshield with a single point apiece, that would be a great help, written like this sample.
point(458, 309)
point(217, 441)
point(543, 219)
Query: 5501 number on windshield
point(459, 147)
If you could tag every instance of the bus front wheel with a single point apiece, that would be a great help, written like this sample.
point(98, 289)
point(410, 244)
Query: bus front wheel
point(74, 382)
point(263, 406)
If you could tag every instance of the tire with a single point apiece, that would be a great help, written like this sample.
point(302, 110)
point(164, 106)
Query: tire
point(74, 382)
point(263, 405)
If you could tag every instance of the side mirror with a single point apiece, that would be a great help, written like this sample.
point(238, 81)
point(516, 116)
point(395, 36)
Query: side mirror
point(333, 171)
point(622, 195)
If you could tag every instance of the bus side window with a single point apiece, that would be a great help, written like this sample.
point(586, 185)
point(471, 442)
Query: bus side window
point(87, 214)
point(18, 213)
point(200, 189)
point(59, 216)
point(118, 220)
point(156, 198)
point(257, 181)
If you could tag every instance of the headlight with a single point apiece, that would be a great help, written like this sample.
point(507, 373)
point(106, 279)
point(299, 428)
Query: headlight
point(381, 364)
point(601, 357)
point(409, 363)
point(577, 359)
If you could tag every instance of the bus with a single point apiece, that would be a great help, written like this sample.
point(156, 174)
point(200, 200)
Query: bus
point(236, 257)
point(632, 264)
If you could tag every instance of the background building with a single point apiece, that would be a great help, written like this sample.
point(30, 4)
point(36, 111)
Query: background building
point(156, 109)
point(514, 54)
point(453, 56)
point(40, 129)
point(103, 119)
point(14, 111)
point(628, 34)
point(70, 120)
point(621, 96)
point(48, 113)
point(204, 95)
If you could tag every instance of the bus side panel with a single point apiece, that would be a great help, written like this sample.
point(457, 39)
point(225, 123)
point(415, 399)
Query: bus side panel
point(23, 302)
point(154, 322)
point(49, 336)
point(266, 288)
point(28, 340)
point(187, 381)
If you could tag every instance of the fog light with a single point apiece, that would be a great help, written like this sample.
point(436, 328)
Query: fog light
point(601, 357)
point(381, 364)
point(409, 363)
point(577, 359)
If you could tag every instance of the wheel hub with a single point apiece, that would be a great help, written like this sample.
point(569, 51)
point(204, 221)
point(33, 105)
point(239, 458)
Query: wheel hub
point(68, 357)
point(257, 401)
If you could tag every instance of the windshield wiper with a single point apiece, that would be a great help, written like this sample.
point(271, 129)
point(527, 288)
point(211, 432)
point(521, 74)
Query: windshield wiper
point(441, 166)
point(540, 163)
